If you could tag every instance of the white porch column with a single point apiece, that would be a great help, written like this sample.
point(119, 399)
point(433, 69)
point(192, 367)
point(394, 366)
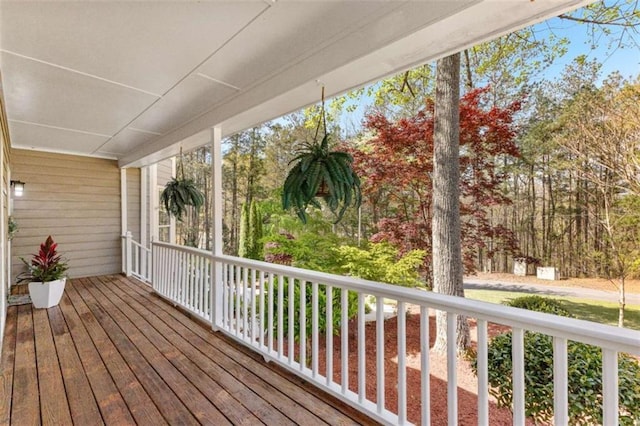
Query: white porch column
point(216, 267)
point(144, 214)
point(172, 219)
point(154, 211)
point(123, 216)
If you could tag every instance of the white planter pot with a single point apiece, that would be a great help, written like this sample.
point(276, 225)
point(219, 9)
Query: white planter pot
point(46, 295)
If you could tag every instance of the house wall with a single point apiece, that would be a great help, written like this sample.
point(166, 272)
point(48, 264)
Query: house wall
point(5, 191)
point(77, 201)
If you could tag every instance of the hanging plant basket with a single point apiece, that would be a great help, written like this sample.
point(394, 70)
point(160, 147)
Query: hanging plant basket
point(179, 193)
point(319, 173)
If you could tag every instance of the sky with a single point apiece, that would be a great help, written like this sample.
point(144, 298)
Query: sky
point(625, 60)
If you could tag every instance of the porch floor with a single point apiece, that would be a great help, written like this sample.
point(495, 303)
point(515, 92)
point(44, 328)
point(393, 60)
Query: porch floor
point(114, 353)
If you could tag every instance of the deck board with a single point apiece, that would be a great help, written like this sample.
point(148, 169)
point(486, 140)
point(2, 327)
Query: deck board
point(116, 354)
point(54, 405)
point(25, 403)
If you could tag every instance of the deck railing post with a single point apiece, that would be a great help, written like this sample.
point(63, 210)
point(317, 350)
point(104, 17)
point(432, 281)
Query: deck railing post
point(216, 284)
point(128, 253)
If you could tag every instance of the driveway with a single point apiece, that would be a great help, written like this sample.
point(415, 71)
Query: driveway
point(472, 283)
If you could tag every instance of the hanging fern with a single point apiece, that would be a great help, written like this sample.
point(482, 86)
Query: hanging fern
point(179, 193)
point(318, 172)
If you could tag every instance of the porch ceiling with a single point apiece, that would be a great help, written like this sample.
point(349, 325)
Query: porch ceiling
point(132, 80)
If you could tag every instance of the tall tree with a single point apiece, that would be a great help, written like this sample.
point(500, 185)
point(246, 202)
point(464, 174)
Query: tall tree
point(447, 253)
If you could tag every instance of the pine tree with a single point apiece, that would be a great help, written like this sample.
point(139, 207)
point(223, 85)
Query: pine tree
point(243, 248)
point(255, 232)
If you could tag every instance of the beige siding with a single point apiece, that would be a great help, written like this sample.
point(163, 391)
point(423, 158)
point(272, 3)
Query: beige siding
point(133, 202)
point(74, 199)
point(5, 190)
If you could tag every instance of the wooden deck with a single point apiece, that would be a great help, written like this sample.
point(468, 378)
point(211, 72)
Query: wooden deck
point(114, 353)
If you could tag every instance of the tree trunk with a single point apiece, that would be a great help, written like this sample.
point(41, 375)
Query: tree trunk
point(621, 302)
point(447, 255)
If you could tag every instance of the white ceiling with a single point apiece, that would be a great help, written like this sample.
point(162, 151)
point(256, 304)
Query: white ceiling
point(134, 80)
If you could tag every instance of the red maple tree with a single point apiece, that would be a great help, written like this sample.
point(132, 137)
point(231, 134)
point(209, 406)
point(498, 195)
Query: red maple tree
point(396, 166)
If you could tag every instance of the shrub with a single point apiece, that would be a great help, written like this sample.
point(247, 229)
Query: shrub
point(540, 304)
point(584, 374)
point(322, 309)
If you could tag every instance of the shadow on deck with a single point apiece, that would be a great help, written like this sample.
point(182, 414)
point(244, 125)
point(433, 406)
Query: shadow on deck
point(114, 353)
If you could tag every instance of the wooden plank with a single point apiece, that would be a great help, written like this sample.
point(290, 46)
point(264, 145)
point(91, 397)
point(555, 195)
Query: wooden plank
point(216, 383)
point(140, 336)
point(292, 400)
point(82, 402)
point(25, 409)
point(7, 363)
point(54, 407)
point(164, 398)
point(107, 374)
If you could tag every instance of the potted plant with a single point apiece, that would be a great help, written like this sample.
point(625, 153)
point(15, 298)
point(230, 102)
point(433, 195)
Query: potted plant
point(46, 275)
point(180, 192)
point(319, 172)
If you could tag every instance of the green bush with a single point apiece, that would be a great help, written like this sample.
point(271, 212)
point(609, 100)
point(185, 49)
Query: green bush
point(322, 309)
point(584, 374)
point(540, 304)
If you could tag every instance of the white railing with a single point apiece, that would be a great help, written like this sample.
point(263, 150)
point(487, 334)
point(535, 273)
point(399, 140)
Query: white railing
point(183, 275)
point(136, 259)
point(279, 311)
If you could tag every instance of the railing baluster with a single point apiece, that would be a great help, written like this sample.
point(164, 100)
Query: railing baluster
point(207, 287)
point(200, 283)
point(380, 382)
point(402, 368)
point(270, 313)
point(290, 334)
point(245, 307)
point(261, 309)
point(610, 387)
point(314, 329)
point(329, 335)
point(362, 353)
point(425, 390)
point(560, 382)
point(225, 295)
point(252, 315)
point(190, 299)
point(183, 278)
point(452, 370)
point(518, 376)
point(238, 297)
point(344, 340)
point(303, 325)
point(483, 378)
point(280, 315)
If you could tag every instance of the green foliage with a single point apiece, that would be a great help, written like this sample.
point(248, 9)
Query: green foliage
point(539, 304)
point(12, 228)
point(382, 262)
point(180, 193)
point(255, 232)
point(250, 244)
point(352, 308)
point(310, 250)
point(243, 247)
point(584, 374)
point(45, 266)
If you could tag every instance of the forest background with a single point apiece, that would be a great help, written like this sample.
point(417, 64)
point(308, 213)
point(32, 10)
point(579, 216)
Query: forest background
point(549, 154)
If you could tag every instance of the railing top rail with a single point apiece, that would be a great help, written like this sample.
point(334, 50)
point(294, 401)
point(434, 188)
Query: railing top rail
point(606, 336)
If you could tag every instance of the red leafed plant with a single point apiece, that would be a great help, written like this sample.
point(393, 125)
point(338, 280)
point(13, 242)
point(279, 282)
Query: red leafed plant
point(47, 265)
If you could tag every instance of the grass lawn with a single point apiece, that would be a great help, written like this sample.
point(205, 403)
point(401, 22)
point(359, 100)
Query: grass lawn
point(586, 309)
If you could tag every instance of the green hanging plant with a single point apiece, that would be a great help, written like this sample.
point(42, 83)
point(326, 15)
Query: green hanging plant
point(179, 193)
point(321, 173)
